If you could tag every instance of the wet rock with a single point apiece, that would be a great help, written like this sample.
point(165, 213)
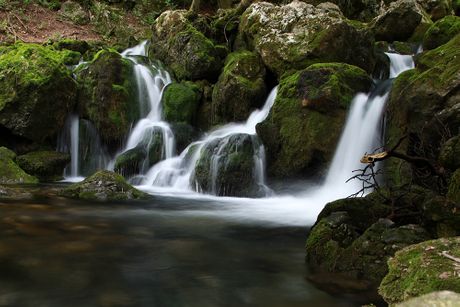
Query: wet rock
point(422, 268)
point(298, 34)
point(441, 32)
point(180, 102)
point(45, 165)
point(103, 186)
point(37, 91)
point(240, 88)
point(106, 95)
point(304, 125)
point(226, 167)
point(424, 104)
point(10, 172)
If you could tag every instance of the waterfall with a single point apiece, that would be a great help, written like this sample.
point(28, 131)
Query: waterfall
point(74, 146)
point(150, 131)
point(362, 132)
point(178, 172)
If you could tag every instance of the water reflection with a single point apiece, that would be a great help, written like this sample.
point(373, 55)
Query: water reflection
point(57, 252)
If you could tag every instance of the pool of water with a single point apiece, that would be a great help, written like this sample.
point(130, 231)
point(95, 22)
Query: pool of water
point(163, 252)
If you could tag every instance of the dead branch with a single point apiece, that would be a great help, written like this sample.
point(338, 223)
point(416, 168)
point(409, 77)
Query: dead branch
point(445, 254)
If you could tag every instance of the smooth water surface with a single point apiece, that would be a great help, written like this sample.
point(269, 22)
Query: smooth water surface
point(56, 252)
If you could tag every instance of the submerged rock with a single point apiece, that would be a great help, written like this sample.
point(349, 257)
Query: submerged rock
point(10, 172)
point(106, 95)
point(45, 165)
point(304, 125)
point(298, 34)
point(103, 186)
point(37, 91)
point(422, 268)
point(240, 88)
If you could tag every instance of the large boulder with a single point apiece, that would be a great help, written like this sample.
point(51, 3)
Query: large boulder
point(449, 156)
point(181, 44)
point(103, 186)
point(303, 127)
point(424, 106)
point(37, 91)
point(10, 172)
point(441, 32)
point(433, 299)
point(402, 20)
point(298, 34)
point(437, 9)
point(45, 165)
point(107, 95)
point(226, 167)
point(180, 102)
point(240, 88)
point(353, 238)
point(422, 268)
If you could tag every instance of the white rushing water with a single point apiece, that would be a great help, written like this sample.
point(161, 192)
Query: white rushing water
point(176, 174)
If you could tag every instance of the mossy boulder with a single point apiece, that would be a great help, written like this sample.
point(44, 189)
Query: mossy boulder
point(74, 12)
point(449, 156)
point(441, 32)
point(423, 105)
point(240, 88)
point(184, 134)
point(298, 34)
point(437, 9)
point(440, 215)
point(10, 172)
point(400, 21)
point(130, 162)
point(103, 186)
point(433, 299)
point(37, 91)
point(303, 127)
point(422, 268)
point(353, 238)
point(45, 165)
point(183, 46)
point(107, 95)
point(180, 102)
point(226, 167)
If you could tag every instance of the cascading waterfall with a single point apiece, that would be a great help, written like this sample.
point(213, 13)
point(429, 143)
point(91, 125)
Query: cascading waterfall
point(150, 80)
point(362, 133)
point(178, 172)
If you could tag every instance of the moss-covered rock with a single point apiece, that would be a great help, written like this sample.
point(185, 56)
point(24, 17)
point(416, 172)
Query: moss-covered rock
point(74, 12)
point(440, 215)
point(181, 44)
point(454, 187)
point(240, 88)
point(180, 102)
point(45, 165)
point(422, 268)
point(304, 125)
point(37, 91)
point(103, 186)
point(298, 34)
point(130, 162)
point(184, 134)
point(10, 172)
point(402, 20)
point(433, 299)
point(226, 167)
point(353, 238)
point(441, 32)
point(437, 9)
point(423, 105)
point(449, 156)
point(107, 97)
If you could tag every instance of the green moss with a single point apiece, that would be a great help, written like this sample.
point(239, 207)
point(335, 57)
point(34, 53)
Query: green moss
point(441, 32)
point(421, 269)
point(45, 165)
point(454, 187)
point(180, 102)
point(10, 172)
